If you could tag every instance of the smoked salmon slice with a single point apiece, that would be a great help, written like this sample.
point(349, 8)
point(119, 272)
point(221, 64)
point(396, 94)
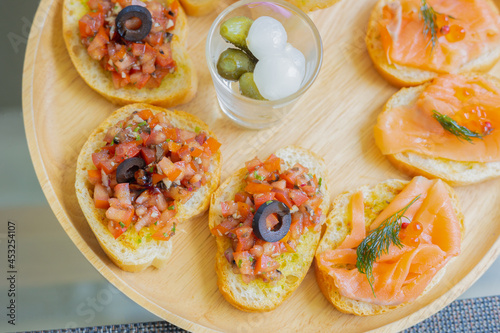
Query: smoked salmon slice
point(465, 29)
point(472, 102)
point(402, 274)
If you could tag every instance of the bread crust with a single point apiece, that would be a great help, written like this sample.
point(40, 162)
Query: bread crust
point(176, 88)
point(337, 228)
point(406, 76)
point(258, 296)
point(455, 173)
point(151, 252)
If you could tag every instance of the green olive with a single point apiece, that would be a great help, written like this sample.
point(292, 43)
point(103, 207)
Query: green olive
point(235, 31)
point(248, 87)
point(233, 63)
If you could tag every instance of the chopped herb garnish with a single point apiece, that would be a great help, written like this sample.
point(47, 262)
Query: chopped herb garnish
point(165, 235)
point(429, 15)
point(138, 137)
point(451, 126)
point(320, 181)
point(197, 130)
point(139, 241)
point(378, 242)
point(268, 202)
point(239, 263)
point(173, 228)
point(171, 207)
point(122, 224)
point(257, 176)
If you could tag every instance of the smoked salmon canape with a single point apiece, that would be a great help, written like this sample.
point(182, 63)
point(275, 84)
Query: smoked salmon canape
point(142, 173)
point(267, 219)
point(413, 41)
point(448, 128)
point(388, 244)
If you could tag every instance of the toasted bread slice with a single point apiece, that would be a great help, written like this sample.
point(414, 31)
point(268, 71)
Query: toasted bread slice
point(127, 252)
point(176, 88)
point(258, 296)
point(455, 173)
point(199, 7)
point(338, 226)
point(405, 76)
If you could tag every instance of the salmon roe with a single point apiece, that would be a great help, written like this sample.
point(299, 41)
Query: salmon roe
point(456, 33)
point(410, 233)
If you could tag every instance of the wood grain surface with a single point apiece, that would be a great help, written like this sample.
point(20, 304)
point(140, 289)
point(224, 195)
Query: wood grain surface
point(335, 118)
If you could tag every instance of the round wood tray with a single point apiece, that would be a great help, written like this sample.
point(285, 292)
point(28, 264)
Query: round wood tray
point(335, 118)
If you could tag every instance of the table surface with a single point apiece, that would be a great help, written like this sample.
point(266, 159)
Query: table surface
point(57, 287)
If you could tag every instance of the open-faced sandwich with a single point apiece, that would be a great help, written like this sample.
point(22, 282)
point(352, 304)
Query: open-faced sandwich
point(386, 245)
point(267, 221)
point(311, 5)
point(412, 41)
point(131, 50)
point(449, 128)
point(141, 172)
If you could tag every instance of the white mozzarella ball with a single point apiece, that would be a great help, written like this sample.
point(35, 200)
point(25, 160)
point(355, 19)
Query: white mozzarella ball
point(266, 36)
point(277, 77)
point(297, 57)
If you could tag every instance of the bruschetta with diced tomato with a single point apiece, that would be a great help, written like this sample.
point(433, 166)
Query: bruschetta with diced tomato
point(141, 173)
point(267, 219)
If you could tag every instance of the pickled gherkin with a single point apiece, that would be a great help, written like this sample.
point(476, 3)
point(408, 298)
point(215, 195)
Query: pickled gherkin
point(233, 63)
point(248, 87)
point(235, 31)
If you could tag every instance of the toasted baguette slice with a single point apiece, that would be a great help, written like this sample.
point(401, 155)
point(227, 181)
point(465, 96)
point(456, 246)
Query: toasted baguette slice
point(405, 76)
point(199, 7)
point(311, 5)
point(126, 251)
point(258, 296)
point(338, 226)
point(455, 173)
point(176, 88)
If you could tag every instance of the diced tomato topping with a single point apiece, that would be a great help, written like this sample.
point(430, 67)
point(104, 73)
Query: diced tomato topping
point(298, 197)
point(272, 221)
point(120, 214)
point(245, 238)
point(253, 164)
point(272, 164)
point(243, 209)
point(170, 169)
point(166, 231)
point(280, 184)
point(90, 24)
point(211, 146)
point(98, 47)
point(261, 198)
point(127, 150)
point(283, 196)
point(296, 228)
point(94, 176)
point(103, 161)
point(242, 197)
point(291, 175)
point(101, 197)
point(172, 133)
point(224, 227)
point(148, 155)
point(265, 264)
point(228, 208)
point(244, 261)
point(253, 188)
point(156, 177)
point(122, 193)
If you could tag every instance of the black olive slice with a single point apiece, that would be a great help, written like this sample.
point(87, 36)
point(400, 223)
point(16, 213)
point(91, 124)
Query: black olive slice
point(129, 12)
point(125, 173)
point(279, 231)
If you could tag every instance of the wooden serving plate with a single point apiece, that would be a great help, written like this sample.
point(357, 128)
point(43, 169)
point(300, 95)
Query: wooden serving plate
point(335, 118)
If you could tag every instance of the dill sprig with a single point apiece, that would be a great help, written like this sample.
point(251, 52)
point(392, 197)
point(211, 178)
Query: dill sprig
point(450, 125)
point(429, 15)
point(378, 242)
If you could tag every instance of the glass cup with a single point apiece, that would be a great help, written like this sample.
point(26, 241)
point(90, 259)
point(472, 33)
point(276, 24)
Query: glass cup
point(302, 34)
